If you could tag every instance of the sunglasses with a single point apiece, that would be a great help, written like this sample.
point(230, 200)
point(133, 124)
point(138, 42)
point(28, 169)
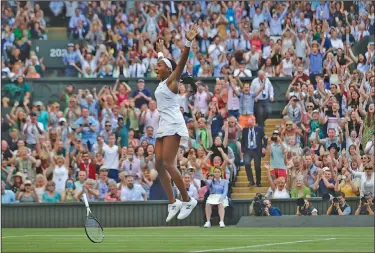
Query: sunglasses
point(289, 125)
point(107, 125)
point(368, 168)
point(309, 107)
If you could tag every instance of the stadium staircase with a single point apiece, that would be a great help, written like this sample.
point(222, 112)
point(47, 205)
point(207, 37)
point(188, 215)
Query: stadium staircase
point(241, 189)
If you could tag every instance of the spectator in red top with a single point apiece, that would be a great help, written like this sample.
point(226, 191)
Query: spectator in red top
point(88, 166)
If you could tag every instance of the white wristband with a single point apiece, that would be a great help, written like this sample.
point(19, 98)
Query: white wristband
point(188, 43)
point(160, 55)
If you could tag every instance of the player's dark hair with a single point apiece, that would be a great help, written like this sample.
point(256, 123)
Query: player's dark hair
point(173, 63)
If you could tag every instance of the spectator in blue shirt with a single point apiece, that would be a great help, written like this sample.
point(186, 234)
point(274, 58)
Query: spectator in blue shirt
point(149, 136)
point(271, 210)
point(87, 127)
point(69, 58)
point(142, 95)
point(7, 196)
point(218, 196)
point(315, 55)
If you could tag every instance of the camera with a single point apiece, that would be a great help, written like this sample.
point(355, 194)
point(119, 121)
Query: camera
point(61, 123)
point(363, 200)
point(301, 202)
point(258, 205)
point(335, 200)
point(274, 139)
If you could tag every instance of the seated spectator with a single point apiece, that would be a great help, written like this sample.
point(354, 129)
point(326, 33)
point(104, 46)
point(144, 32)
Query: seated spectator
point(132, 166)
point(346, 185)
point(7, 196)
point(300, 190)
point(189, 186)
point(40, 186)
point(279, 187)
point(28, 193)
point(218, 188)
point(307, 209)
point(91, 193)
point(366, 205)
point(271, 210)
point(340, 207)
point(113, 194)
point(132, 191)
point(69, 195)
point(51, 195)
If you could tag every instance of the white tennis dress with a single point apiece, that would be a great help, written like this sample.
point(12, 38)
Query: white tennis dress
point(171, 119)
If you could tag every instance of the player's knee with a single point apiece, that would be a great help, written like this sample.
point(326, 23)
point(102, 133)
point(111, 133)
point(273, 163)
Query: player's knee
point(159, 166)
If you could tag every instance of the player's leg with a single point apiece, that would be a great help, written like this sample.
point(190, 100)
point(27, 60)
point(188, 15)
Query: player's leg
point(170, 149)
point(175, 205)
point(163, 175)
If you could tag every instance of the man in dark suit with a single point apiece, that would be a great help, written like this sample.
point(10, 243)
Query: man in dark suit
point(347, 37)
point(253, 146)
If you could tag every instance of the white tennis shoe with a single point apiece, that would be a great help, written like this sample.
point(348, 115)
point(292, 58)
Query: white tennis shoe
point(207, 224)
point(221, 224)
point(173, 209)
point(187, 208)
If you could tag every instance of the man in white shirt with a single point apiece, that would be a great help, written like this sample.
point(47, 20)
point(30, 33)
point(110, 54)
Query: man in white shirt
point(111, 156)
point(132, 166)
point(262, 101)
point(151, 117)
point(137, 69)
point(133, 192)
point(201, 99)
point(33, 130)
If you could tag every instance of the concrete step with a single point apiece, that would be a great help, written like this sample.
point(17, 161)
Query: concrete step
point(244, 178)
point(243, 173)
point(249, 189)
point(57, 33)
point(246, 184)
point(243, 196)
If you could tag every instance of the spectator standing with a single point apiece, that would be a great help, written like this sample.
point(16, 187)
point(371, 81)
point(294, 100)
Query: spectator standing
point(132, 166)
point(262, 101)
point(87, 128)
point(70, 57)
point(277, 151)
point(142, 95)
point(151, 117)
point(111, 156)
point(33, 130)
point(87, 165)
point(253, 146)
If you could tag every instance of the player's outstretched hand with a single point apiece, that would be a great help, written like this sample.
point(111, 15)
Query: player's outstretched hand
point(192, 33)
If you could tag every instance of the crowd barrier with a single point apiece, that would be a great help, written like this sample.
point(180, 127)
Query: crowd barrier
point(50, 89)
point(130, 214)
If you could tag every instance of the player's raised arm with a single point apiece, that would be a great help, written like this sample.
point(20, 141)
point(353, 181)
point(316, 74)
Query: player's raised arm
point(174, 78)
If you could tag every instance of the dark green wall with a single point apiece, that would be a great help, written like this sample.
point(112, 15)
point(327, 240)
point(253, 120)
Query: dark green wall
point(49, 89)
point(127, 214)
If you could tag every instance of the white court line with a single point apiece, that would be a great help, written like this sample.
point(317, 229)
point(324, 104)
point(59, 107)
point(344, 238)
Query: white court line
point(178, 236)
point(263, 245)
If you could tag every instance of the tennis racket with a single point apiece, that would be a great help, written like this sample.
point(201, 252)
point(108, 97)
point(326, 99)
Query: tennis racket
point(93, 228)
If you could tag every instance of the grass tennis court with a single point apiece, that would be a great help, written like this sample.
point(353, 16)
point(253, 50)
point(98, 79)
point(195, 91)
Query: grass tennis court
point(192, 239)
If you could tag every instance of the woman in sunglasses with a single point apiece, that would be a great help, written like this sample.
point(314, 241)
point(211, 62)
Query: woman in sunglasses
point(366, 178)
point(51, 195)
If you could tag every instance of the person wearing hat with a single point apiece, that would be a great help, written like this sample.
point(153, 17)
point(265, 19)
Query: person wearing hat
point(33, 131)
point(277, 149)
point(142, 95)
point(27, 194)
point(316, 124)
point(70, 57)
point(7, 196)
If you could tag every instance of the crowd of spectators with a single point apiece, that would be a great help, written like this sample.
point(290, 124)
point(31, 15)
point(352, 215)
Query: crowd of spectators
point(102, 142)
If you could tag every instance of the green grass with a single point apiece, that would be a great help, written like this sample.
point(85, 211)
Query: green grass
point(190, 239)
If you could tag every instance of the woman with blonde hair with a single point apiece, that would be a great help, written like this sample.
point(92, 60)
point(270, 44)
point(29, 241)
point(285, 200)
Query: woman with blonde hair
point(31, 73)
point(40, 186)
point(60, 171)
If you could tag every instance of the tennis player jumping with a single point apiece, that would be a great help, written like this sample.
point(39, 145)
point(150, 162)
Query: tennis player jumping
point(172, 127)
